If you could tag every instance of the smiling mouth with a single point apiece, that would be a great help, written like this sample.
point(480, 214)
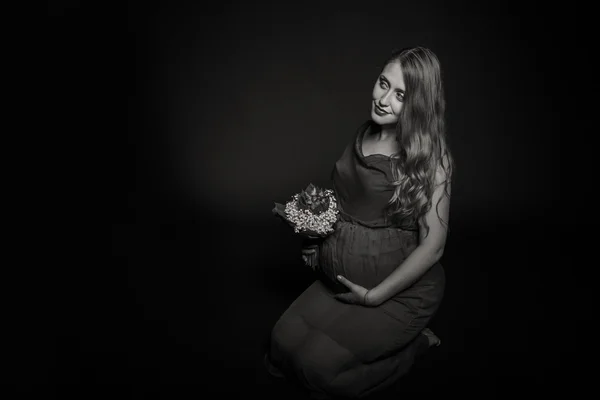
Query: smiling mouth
point(380, 111)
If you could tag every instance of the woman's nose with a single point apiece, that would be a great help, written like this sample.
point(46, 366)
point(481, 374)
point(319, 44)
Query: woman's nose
point(384, 100)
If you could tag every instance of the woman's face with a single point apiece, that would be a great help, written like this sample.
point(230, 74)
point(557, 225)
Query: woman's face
point(388, 95)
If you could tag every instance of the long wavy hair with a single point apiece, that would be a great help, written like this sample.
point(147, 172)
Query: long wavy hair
point(421, 134)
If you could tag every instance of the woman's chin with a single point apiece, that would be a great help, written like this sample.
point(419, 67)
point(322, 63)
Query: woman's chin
point(383, 119)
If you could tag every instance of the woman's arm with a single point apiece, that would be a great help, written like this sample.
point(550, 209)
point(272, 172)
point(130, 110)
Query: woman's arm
point(425, 255)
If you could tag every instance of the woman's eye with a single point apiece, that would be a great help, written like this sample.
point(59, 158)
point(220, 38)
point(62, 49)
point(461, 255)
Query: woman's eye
point(382, 84)
point(400, 96)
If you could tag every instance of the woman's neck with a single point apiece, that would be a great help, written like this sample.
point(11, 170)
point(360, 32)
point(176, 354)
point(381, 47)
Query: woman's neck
point(386, 132)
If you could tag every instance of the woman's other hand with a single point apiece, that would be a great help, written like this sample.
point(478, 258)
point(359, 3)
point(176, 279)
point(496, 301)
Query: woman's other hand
point(309, 255)
point(310, 250)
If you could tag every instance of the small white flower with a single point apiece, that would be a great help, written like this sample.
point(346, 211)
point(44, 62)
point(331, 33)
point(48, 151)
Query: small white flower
point(305, 220)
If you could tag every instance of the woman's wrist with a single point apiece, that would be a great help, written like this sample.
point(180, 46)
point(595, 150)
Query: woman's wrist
point(311, 241)
point(370, 298)
point(374, 297)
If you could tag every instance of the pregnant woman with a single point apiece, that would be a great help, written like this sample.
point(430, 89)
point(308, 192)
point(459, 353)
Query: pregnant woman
point(358, 328)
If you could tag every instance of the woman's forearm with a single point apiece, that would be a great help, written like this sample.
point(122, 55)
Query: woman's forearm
point(414, 266)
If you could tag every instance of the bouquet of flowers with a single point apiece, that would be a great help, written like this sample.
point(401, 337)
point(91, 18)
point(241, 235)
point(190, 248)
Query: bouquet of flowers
point(312, 213)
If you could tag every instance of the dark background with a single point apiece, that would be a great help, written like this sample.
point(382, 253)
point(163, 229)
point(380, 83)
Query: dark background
point(234, 106)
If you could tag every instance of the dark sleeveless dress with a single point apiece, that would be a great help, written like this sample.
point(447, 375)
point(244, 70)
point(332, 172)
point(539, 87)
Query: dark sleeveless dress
point(339, 349)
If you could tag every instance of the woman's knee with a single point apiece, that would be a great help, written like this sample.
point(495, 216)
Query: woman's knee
point(289, 333)
point(322, 360)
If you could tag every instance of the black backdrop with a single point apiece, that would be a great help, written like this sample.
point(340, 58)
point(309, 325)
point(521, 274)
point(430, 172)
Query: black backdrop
point(234, 106)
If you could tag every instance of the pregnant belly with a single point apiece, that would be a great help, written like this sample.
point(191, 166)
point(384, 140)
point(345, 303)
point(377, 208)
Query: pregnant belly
point(364, 255)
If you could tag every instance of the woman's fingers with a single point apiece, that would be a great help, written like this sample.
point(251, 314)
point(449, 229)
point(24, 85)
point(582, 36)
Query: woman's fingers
point(309, 259)
point(345, 297)
point(346, 283)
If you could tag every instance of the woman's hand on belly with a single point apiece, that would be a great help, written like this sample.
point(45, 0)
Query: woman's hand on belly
point(357, 294)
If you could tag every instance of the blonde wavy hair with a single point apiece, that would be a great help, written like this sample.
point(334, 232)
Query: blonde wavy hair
point(421, 134)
